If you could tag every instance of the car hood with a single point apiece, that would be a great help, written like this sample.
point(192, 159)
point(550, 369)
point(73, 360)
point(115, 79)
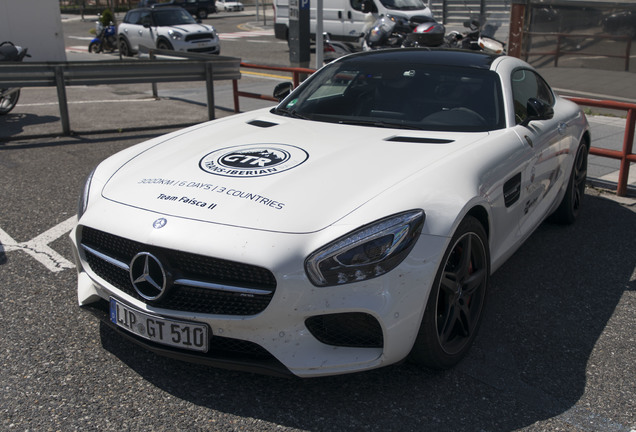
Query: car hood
point(263, 171)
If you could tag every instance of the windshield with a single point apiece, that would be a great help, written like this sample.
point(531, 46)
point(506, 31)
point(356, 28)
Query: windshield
point(173, 17)
point(408, 95)
point(403, 4)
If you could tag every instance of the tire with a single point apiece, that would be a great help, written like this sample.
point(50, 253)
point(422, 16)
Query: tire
point(94, 48)
point(124, 48)
point(9, 102)
point(202, 14)
point(455, 304)
point(570, 207)
point(163, 44)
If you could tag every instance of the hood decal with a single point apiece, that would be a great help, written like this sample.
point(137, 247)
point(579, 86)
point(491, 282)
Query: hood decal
point(254, 160)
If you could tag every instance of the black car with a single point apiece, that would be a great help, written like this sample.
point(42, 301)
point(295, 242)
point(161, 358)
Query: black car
point(198, 8)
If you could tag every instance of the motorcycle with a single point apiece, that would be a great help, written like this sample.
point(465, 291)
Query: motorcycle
point(478, 37)
point(390, 31)
point(333, 49)
point(105, 40)
point(9, 96)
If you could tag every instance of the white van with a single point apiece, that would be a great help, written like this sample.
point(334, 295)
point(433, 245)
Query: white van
point(345, 19)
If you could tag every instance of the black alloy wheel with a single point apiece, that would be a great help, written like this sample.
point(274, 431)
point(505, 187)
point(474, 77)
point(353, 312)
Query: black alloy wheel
point(124, 48)
point(570, 206)
point(454, 308)
point(163, 44)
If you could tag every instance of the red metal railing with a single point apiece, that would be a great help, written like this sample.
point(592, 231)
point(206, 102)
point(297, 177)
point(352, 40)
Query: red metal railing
point(626, 156)
point(296, 74)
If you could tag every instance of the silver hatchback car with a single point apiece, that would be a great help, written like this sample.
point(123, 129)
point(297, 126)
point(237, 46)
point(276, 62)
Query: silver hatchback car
point(169, 28)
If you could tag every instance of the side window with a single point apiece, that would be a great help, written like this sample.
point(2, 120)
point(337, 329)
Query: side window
point(132, 18)
point(356, 4)
point(527, 84)
point(145, 18)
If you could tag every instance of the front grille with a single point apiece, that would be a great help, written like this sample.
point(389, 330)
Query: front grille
point(183, 266)
point(354, 329)
point(199, 36)
point(212, 50)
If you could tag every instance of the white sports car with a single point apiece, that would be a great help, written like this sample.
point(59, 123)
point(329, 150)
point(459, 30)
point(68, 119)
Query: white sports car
point(353, 226)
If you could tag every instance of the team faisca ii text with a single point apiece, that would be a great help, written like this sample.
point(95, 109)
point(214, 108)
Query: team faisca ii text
point(209, 188)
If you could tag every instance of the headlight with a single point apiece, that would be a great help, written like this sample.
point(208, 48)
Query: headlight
point(174, 35)
point(366, 253)
point(83, 199)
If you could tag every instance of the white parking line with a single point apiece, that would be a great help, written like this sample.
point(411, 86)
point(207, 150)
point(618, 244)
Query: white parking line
point(38, 247)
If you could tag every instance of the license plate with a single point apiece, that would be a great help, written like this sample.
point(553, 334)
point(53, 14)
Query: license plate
point(181, 334)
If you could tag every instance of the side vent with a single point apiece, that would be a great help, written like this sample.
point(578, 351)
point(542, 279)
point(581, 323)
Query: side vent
point(418, 140)
point(512, 190)
point(262, 123)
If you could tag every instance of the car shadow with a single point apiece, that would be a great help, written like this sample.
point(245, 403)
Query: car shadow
point(548, 306)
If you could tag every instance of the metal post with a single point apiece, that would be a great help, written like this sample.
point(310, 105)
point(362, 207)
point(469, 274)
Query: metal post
point(61, 97)
point(209, 75)
point(515, 35)
point(623, 173)
point(155, 93)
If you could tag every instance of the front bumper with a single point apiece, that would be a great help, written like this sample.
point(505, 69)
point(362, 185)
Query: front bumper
point(291, 334)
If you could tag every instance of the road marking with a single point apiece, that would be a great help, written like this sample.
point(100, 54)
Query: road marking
point(39, 248)
point(245, 34)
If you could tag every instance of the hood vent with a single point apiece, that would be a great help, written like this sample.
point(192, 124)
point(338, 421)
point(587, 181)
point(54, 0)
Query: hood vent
point(419, 140)
point(262, 123)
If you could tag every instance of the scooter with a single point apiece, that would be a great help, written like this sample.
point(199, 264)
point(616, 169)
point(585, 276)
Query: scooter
point(106, 39)
point(9, 96)
point(478, 37)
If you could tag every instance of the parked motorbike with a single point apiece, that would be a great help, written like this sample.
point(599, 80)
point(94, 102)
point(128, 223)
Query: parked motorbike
point(105, 40)
point(427, 34)
point(478, 37)
point(333, 49)
point(9, 96)
point(391, 31)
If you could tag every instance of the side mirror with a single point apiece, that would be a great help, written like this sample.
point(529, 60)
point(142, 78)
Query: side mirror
point(537, 110)
point(282, 90)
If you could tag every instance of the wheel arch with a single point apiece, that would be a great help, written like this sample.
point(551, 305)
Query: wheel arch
point(163, 39)
point(480, 213)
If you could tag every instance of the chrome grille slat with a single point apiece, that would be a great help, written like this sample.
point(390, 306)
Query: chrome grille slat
point(201, 284)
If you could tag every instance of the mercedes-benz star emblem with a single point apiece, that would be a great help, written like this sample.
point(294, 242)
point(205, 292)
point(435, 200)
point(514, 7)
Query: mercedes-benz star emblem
point(159, 223)
point(148, 276)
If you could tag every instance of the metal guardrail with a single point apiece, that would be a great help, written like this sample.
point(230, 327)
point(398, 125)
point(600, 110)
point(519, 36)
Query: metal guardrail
point(625, 156)
point(62, 74)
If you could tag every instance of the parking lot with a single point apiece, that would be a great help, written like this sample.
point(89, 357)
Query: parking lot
point(555, 352)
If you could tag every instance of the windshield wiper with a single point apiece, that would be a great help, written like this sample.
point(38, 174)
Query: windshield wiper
point(291, 113)
point(378, 123)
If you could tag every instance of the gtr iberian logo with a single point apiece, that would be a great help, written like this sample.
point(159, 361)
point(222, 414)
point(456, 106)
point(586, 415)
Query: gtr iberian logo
point(253, 160)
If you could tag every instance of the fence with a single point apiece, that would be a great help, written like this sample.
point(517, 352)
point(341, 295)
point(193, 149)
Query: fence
point(561, 50)
point(62, 74)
